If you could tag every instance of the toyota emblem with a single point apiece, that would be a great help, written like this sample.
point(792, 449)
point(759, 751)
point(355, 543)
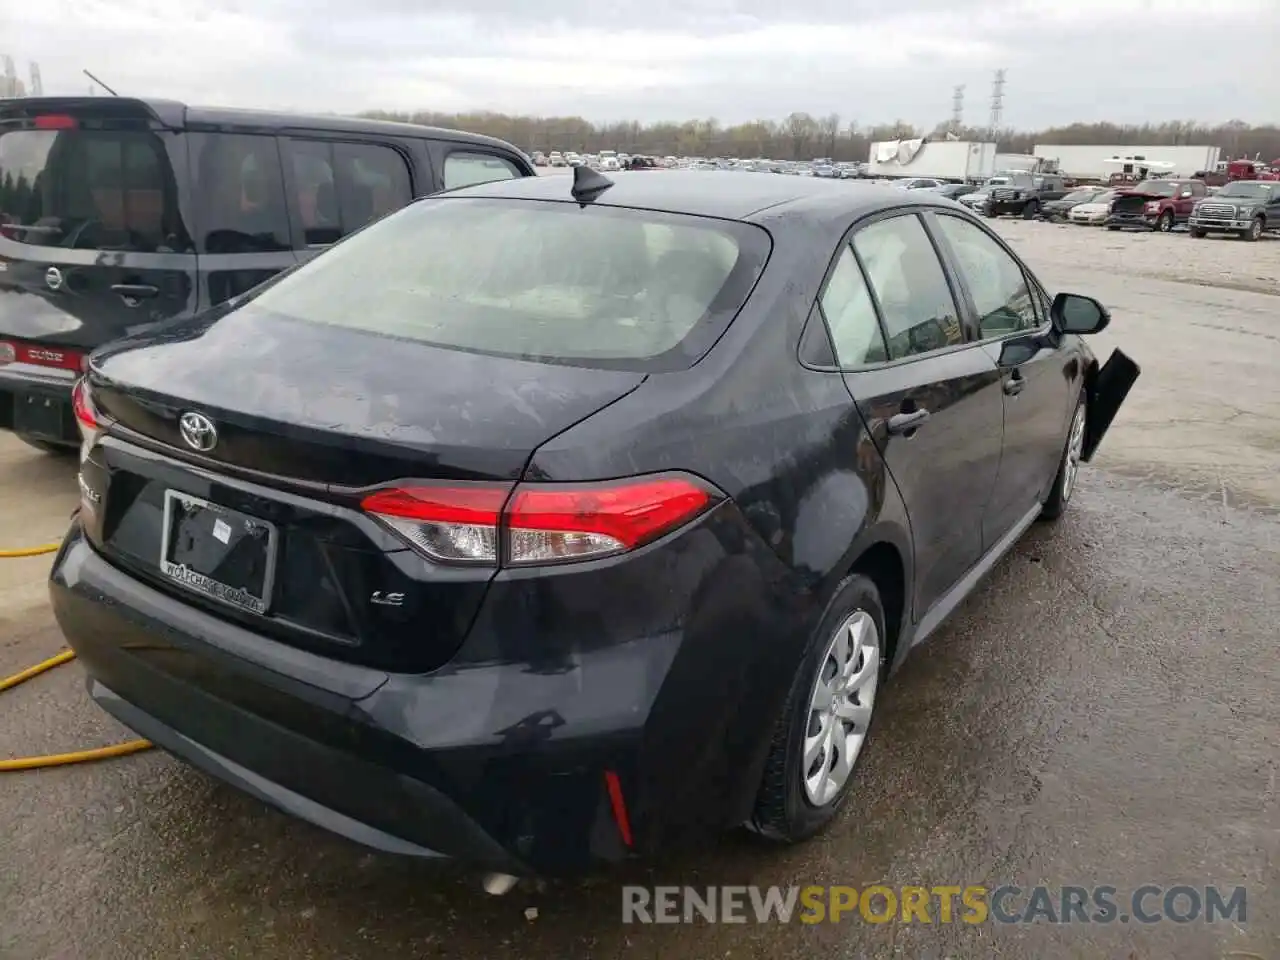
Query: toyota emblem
point(53, 279)
point(198, 431)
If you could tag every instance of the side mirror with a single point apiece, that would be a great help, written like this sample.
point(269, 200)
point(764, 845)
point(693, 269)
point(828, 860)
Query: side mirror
point(1074, 313)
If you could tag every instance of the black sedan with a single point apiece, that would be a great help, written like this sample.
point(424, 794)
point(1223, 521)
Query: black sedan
point(542, 524)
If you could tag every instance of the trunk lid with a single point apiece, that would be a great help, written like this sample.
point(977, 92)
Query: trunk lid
point(329, 406)
point(93, 239)
point(299, 427)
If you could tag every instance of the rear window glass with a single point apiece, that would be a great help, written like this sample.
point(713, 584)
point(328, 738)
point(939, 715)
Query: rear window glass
point(595, 286)
point(90, 189)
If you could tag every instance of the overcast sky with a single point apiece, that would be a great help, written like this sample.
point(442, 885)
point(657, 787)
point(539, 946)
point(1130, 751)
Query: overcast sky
point(867, 60)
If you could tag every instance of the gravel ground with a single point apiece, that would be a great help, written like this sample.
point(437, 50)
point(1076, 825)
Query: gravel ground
point(1213, 261)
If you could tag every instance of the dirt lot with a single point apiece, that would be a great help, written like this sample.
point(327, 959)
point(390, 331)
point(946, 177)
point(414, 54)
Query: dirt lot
point(1104, 711)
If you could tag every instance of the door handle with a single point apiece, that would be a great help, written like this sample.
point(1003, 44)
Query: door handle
point(135, 291)
point(907, 423)
point(1014, 383)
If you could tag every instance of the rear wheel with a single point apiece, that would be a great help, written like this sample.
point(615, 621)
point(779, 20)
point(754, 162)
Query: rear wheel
point(824, 724)
point(1165, 223)
point(1254, 233)
point(1064, 484)
point(1030, 210)
point(1112, 226)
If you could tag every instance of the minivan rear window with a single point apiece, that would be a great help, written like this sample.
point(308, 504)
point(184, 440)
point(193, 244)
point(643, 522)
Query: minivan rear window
point(89, 189)
point(547, 281)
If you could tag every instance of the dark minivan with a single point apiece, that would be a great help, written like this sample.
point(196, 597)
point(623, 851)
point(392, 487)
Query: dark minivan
point(118, 213)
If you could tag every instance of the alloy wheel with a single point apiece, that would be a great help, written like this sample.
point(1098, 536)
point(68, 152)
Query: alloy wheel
point(840, 707)
point(1075, 446)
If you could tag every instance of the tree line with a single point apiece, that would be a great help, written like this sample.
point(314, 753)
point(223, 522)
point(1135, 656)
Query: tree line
point(802, 136)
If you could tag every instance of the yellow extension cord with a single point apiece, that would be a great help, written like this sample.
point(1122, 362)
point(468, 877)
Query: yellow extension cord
point(8, 683)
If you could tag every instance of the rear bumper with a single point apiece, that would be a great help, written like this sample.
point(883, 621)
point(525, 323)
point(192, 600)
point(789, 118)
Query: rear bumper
point(37, 403)
point(503, 764)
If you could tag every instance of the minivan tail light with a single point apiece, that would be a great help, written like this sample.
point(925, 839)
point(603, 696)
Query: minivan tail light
point(540, 523)
point(55, 121)
point(8, 353)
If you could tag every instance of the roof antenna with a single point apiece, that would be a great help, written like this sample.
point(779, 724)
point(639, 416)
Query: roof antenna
point(588, 184)
point(99, 83)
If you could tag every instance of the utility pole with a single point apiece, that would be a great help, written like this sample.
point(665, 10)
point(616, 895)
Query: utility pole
point(957, 109)
point(997, 103)
point(37, 88)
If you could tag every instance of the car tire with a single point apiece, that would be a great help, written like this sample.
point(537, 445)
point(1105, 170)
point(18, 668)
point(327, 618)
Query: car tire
point(1112, 226)
point(46, 446)
point(1030, 211)
point(1254, 233)
point(791, 806)
point(1064, 483)
point(1197, 233)
point(1164, 223)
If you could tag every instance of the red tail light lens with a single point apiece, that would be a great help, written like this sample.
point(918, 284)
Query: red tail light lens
point(55, 121)
point(538, 523)
point(455, 524)
point(549, 523)
point(82, 407)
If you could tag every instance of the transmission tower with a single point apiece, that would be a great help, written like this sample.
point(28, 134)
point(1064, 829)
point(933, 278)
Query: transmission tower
point(997, 102)
point(10, 78)
point(957, 109)
point(37, 88)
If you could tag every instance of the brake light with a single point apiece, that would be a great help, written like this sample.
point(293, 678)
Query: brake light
point(56, 121)
point(538, 523)
point(82, 407)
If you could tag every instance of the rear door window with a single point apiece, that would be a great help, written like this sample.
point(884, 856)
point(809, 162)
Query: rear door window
point(339, 187)
point(463, 168)
point(238, 194)
point(90, 189)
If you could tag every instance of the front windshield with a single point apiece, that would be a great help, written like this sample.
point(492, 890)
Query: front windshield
point(1163, 188)
point(1251, 191)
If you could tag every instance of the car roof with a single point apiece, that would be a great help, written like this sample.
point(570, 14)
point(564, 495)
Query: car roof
point(723, 194)
point(180, 116)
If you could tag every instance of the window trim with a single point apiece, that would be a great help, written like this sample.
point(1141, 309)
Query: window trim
point(963, 311)
point(297, 227)
point(1045, 325)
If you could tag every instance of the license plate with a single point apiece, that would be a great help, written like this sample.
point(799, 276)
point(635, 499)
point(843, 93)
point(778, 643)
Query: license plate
point(219, 552)
point(39, 415)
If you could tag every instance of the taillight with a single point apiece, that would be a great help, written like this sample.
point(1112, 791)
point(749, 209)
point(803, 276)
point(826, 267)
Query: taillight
point(8, 353)
point(455, 524)
point(60, 358)
point(55, 121)
point(538, 523)
point(82, 407)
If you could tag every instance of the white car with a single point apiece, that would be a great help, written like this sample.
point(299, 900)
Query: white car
point(1095, 212)
point(609, 160)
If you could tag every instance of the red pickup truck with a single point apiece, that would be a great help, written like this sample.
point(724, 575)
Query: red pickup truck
point(1155, 204)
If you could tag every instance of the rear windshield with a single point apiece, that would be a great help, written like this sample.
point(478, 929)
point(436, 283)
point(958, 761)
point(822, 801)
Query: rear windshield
point(89, 189)
point(593, 286)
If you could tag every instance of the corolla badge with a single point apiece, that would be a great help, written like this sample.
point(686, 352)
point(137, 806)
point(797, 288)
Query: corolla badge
point(198, 431)
point(53, 279)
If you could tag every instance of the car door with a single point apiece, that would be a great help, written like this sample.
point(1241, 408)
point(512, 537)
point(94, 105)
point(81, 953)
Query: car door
point(336, 186)
point(241, 217)
point(1189, 194)
point(929, 395)
point(1036, 377)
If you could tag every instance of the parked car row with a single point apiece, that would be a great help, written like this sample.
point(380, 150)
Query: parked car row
point(1243, 208)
